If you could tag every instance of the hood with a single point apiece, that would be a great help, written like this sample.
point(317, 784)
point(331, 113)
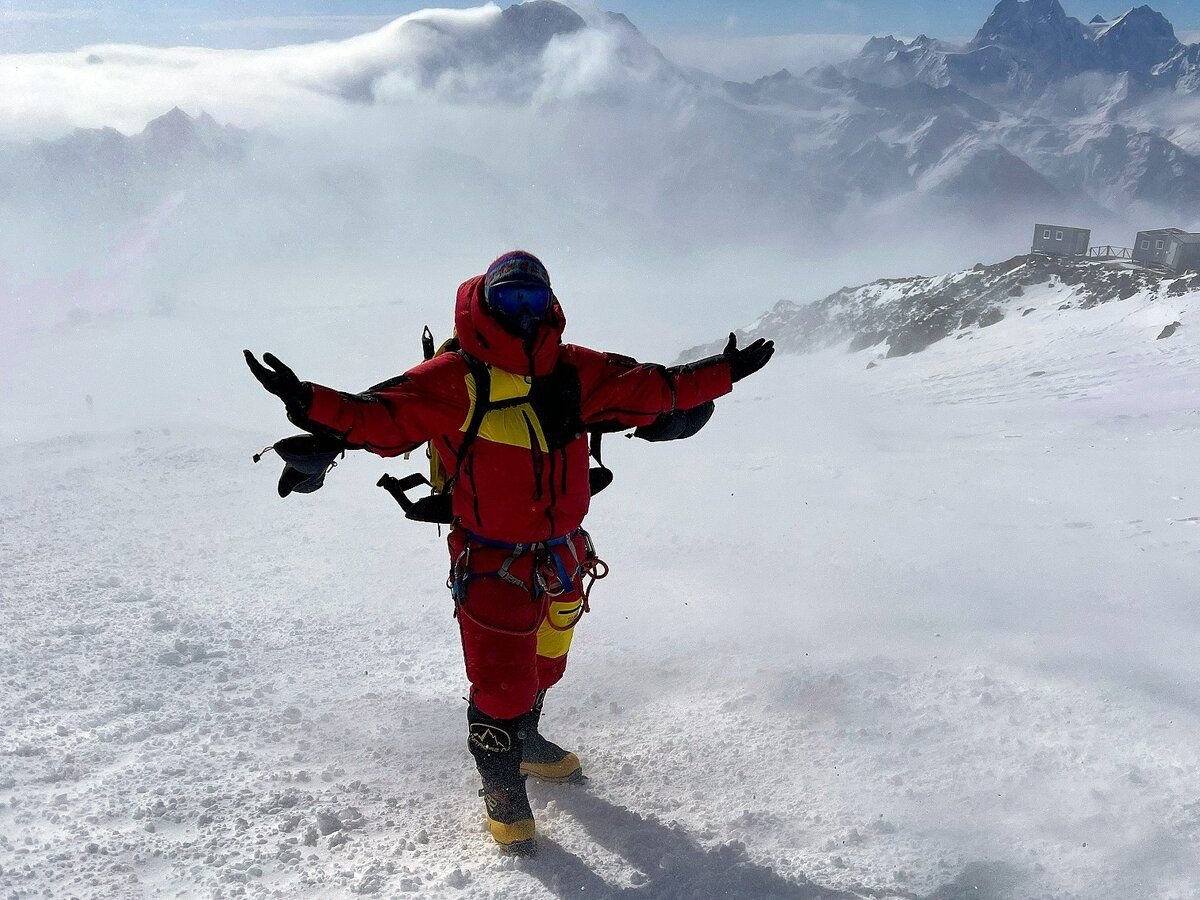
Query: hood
point(482, 337)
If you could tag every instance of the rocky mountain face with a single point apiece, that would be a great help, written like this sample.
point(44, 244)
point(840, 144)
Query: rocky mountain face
point(906, 315)
point(1038, 111)
point(1024, 47)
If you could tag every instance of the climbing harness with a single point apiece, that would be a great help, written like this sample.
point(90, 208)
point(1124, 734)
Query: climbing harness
point(549, 578)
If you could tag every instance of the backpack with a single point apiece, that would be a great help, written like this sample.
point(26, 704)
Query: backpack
point(435, 508)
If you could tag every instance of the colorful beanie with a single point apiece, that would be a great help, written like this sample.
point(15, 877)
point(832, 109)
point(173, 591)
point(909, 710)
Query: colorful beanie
point(517, 265)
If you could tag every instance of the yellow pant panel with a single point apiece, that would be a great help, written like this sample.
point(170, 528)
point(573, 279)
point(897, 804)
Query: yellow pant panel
point(552, 643)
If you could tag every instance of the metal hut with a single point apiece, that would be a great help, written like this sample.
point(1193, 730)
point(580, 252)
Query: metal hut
point(1061, 240)
point(1182, 253)
point(1150, 248)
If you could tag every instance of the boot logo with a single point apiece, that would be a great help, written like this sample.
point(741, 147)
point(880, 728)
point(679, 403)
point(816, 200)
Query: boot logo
point(490, 738)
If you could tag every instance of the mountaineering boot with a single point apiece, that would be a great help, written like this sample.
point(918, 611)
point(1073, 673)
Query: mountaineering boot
point(544, 759)
point(496, 746)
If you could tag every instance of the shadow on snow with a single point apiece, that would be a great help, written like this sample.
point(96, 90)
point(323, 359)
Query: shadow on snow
point(673, 865)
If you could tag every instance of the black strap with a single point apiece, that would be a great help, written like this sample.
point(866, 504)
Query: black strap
point(598, 479)
point(483, 393)
point(434, 509)
point(398, 486)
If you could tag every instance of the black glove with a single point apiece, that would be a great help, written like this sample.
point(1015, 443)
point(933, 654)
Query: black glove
point(281, 381)
point(748, 361)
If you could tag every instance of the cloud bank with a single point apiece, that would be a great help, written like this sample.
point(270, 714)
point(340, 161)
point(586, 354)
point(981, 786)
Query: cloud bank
point(410, 155)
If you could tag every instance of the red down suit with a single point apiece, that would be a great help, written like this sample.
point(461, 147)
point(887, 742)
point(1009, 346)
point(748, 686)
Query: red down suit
point(524, 477)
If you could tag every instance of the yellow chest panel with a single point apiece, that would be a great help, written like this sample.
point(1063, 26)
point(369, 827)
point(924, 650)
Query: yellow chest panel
point(517, 424)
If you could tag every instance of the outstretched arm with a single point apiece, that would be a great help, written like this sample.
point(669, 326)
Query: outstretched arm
point(388, 419)
point(617, 389)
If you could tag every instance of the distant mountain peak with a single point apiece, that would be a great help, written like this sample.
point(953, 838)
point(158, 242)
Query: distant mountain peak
point(175, 135)
point(176, 124)
point(882, 46)
point(1030, 25)
point(1027, 45)
point(172, 117)
point(1137, 41)
point(535, 22)
point(621, 20)
point(1144, 18)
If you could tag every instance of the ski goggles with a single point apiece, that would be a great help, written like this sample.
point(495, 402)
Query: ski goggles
point(519, 300)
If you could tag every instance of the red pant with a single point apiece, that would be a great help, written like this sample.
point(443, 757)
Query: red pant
point(513, 644)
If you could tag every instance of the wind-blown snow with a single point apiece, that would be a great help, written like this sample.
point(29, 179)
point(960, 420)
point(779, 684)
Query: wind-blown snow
point(913, 621)
point(920, 630)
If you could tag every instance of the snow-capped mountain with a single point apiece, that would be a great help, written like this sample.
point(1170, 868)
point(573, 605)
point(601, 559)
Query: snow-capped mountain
point(1038, 116)
point(1038, 110)
point(1026, 46)
point(900, 316)
point(534, 51)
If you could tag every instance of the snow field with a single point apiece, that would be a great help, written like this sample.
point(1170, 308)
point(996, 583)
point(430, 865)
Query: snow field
point(921, 631)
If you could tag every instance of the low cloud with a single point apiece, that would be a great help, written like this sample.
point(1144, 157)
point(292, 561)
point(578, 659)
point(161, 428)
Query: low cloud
point(478, 55)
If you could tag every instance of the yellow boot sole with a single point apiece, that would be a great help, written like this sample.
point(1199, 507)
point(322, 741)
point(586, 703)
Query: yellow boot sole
point(566, 771)
point(517, 838)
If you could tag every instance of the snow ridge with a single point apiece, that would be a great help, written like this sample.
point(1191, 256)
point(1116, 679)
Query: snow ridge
point(905, 315)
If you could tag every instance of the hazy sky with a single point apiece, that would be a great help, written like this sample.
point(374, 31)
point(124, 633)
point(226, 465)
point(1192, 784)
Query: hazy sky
point(31, 25)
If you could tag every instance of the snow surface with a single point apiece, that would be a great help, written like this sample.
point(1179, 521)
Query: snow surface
point(923, 630)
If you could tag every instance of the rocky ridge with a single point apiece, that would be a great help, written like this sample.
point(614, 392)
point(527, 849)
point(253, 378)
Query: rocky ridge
point(907, 315)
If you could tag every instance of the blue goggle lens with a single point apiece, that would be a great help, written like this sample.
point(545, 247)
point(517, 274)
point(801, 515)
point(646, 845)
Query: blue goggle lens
point(520, 300)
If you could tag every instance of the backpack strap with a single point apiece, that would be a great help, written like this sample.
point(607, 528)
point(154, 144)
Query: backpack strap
point(483, 394)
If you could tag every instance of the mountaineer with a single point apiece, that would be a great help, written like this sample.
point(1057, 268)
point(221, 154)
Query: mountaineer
point(507, 409)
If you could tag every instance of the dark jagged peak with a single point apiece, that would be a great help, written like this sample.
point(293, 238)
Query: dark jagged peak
point(173, 127)
point(179, 123)
point(1137, 41)
point(1031, 27)
point(830, 77)
point(783, 76)
point(621, 21)
point(174, 135)
point(882, 46)
point(534, 23)
point(108, 170)
point(1098, 20)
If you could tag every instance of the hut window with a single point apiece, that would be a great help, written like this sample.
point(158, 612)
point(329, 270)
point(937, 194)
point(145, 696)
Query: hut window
point(1158, 245)
point(1146, 245)
point(1058, 235)
point(1046, 234)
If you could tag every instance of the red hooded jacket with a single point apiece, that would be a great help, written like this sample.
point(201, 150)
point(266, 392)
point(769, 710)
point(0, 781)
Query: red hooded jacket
point(525, 476)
